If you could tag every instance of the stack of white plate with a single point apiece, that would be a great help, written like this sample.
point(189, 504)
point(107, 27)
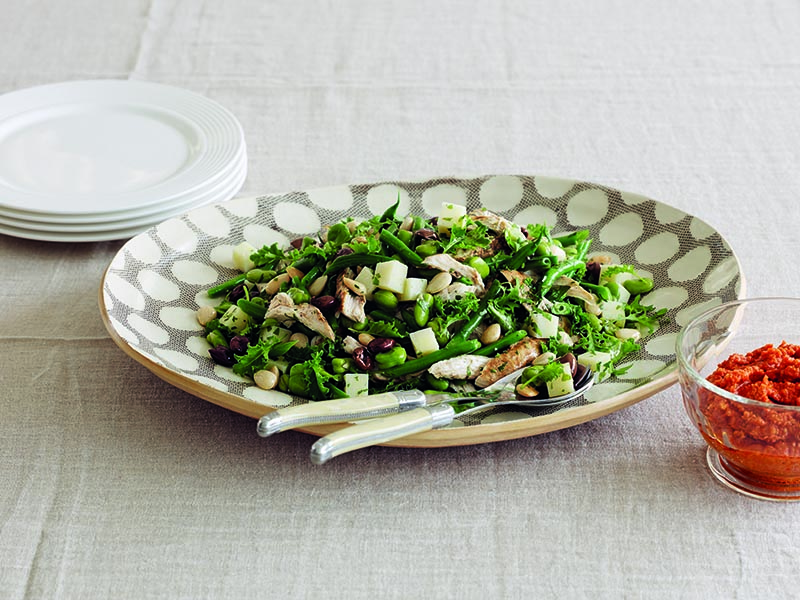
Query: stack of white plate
point(103, 160)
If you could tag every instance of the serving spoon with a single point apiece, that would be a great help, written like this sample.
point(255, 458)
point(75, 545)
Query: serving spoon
point(436, 414)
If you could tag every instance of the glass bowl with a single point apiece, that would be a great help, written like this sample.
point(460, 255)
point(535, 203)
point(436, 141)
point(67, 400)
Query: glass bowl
point(753, 446)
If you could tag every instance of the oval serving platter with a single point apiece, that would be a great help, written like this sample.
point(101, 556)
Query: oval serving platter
point(158, 279)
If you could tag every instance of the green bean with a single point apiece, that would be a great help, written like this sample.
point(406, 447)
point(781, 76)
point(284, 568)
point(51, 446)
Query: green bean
point(226, 286)
point(312, 274)
point(422, 309)
point(251, 309)
point(352, 260)
point(435, 383)
point(506, 322)
point(425, 361)
point(518, 259)
point(501, 344)
point(476, 319)
point(565, 268)
point(581, 248)
point(395, 243)
point(562, 308)
point(393, 358)
point(542, 262)
point(603, 292)
point(570, 239)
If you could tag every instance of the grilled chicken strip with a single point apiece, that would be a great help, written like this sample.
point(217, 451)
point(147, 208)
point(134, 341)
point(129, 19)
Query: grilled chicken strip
point(456, 291)
point(448, 264)
point(283, 308)
point(492, 221)
point(518, 355)
point(351, 305)
point(467, 366)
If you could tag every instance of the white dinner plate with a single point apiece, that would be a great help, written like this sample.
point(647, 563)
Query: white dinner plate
point(116, 231)
point(219, 192)
point(86, 147)
point(154, 285)
point(167, 208)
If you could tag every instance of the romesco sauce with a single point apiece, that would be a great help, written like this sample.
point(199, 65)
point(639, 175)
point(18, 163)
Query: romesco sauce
point(760, 443)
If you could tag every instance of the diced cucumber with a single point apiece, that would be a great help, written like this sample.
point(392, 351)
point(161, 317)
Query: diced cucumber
point(449, 215)
point(241, 257)
point(366, 277)
point(413, 288)
point(544, 325)
point(391, 275)
point(562, 384)
point(270, 331)
point(235, 319)
point(424, 341)
point(356, 384)
point(594, 360)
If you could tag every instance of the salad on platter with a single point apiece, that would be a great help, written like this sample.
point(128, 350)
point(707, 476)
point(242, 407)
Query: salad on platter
point(450, 303)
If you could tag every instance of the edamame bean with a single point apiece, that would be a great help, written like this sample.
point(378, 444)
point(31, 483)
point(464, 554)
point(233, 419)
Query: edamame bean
point(426, 249)
point(393, 358)
point(477, 263)
point(422, 309)
point(299, 296)
point(638, 286)
point(342, 365)
point(259, 275)
point(385, 299)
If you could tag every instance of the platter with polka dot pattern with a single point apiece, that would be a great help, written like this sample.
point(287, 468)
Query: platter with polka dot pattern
point(154, 285)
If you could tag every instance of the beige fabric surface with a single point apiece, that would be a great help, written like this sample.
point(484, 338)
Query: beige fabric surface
point(116, 485)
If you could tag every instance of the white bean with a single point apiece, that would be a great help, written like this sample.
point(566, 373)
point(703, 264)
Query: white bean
point(266, 380)
point(365, 338)
point(491, 334)
point(300, 338)
point(316, 287)
point(439, 282)
point(206, 314)
point(293, 272)
point(275, 283)
point(544, 358)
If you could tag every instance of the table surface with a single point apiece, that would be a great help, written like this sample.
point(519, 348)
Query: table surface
point(115, 484)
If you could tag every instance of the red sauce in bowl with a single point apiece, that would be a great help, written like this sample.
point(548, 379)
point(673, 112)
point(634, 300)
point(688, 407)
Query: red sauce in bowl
point(760, 443)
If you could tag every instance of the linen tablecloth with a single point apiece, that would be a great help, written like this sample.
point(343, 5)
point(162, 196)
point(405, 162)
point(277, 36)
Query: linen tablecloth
point(116, 485)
